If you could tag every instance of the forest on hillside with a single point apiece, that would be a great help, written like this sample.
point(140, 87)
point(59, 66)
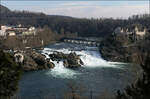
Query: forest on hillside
point(65, 24)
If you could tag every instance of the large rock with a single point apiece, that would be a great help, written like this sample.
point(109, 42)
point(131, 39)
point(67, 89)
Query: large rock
point(49, 64)
point(71, 60)
point(30, 64)
point(65, 63)
point(38, 58)
point(57, 56)
point(36, 61)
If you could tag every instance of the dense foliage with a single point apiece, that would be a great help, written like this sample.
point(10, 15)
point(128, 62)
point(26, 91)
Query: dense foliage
point(10, 73)
point(83, 27)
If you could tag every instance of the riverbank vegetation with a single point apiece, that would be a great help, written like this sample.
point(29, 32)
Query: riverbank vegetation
point(10, 74)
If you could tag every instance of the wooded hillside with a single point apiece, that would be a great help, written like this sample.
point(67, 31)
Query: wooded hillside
point(60, 24)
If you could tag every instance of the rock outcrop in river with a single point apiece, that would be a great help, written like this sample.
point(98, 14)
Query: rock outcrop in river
point(71, 60)
point(35, 61)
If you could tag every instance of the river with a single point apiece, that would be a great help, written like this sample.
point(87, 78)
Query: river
point(95, 76)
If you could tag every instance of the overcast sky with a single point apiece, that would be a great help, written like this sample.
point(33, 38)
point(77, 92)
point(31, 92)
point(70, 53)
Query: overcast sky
point(82, 9)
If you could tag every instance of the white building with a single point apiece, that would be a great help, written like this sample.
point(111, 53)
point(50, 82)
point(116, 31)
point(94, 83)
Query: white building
point(11, 33)
point(16, 30)
point(140, 33)
point(32, 29)
point(4, 28)
point(2, 33)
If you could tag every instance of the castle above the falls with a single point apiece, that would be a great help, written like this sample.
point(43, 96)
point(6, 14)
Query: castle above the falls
point(136, 33)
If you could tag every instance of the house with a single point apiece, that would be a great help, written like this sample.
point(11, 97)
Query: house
point(16, 30)
point(7, 30)
point(2, 33)
point(11, 32)
point(32, 29)
point(140, 33)
point(4, 28)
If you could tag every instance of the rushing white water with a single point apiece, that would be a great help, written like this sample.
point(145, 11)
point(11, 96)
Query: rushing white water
point(61, 72)
point(90, 57)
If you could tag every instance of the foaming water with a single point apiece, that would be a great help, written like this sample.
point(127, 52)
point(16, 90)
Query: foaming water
point(93, 59)
point(59, 71)
point(89, 55)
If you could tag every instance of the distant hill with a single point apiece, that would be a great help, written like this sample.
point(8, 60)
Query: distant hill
point(4, 9)
point(65, 24)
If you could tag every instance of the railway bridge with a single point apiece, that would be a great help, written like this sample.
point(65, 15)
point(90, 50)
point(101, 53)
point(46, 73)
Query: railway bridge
point(83, 41)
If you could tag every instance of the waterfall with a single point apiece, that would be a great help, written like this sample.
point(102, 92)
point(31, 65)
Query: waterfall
point(89, 55)
point(90, 58)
